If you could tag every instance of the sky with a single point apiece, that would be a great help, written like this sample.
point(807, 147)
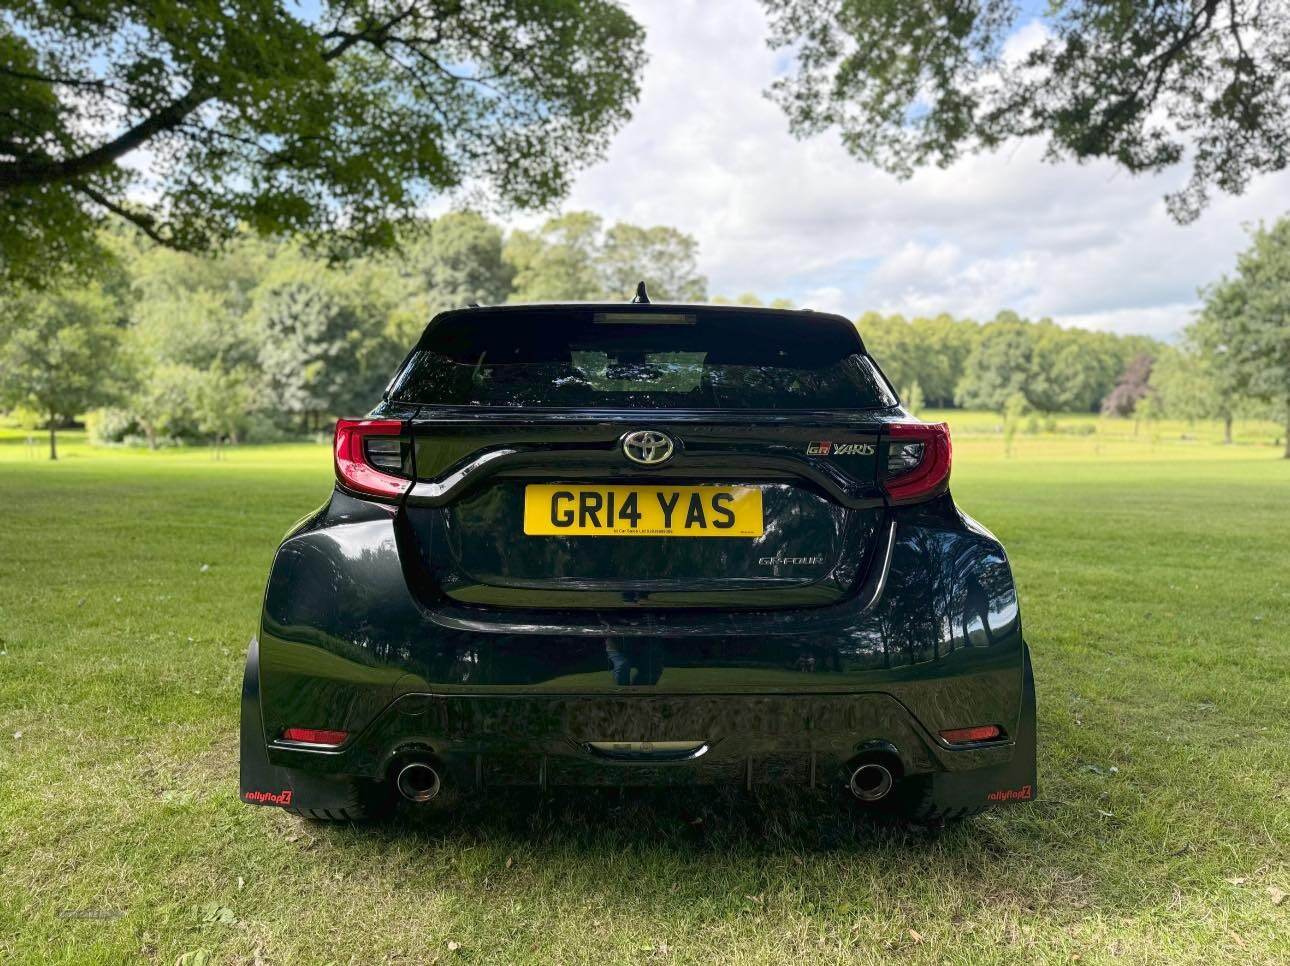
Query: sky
point(706, 152)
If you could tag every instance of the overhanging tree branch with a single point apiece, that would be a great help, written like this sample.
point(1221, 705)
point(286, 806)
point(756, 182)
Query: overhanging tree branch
point(38, 170)
point(141, 220)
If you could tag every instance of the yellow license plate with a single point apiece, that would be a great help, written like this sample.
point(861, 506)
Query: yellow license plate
point(557, 509)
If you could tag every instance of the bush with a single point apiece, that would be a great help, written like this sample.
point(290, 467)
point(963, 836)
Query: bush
point(109, 425)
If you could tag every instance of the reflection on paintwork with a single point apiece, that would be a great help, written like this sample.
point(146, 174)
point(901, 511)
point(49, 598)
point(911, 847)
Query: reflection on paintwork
point(946, 592)
point(476, 552)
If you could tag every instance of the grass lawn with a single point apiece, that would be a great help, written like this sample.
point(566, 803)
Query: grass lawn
point(1155, 584)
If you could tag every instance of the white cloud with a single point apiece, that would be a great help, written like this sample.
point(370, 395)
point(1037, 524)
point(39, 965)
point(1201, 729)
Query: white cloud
point(708, 153)
point(827, 298)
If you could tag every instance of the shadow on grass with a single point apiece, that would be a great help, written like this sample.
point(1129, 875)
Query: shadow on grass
point(770, 821)
point(722, 849)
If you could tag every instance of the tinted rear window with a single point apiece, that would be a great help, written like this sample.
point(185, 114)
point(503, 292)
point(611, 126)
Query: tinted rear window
point(586, 358)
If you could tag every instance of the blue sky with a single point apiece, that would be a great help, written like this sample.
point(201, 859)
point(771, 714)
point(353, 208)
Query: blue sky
point(707, 152)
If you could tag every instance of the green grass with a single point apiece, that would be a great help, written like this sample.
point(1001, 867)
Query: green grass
point(1155, 583)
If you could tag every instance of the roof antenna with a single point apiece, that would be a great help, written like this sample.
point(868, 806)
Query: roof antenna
point(641, 295)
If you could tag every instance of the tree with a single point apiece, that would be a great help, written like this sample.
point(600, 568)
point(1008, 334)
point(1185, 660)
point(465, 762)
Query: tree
point(458, 260)
point(1132, 387)
point(571, 258)
point(222, 399)
point(1245, 322)
point(664, 258)
point(1144, 83)
point(1075, 369)
point(558, 262)
point(161, 401)
point(931, 352)
point(311, 337)
point(329, 121)
point(1001, 366)
point(59, 352)
point(1188, 388)
point(913, 398)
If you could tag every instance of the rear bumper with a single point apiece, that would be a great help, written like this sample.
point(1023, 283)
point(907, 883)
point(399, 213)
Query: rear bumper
point(489, 739)
point(930, 642)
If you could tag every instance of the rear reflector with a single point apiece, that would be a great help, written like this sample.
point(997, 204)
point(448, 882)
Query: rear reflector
point(917, 461)
point(967, 736)
point(365, 451)
point(315, 736)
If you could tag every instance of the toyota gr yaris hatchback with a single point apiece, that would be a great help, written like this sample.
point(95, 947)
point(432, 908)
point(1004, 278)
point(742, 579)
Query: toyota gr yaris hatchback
point(639, 544)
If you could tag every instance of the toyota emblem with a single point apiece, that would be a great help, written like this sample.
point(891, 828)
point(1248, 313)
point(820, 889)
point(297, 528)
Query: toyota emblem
point(648, 447)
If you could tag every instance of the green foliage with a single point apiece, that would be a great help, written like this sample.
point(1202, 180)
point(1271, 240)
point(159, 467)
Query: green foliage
point(59, 352)
point(1142, 83)
point(929, 352)
point(1054, 368)
point(454, 261)
point(267, 340)
point(1015, 408)
point(326, 122)
point(1001, 366)
point(664, 258)
point(558, 262)
point(310, 341)
point(912, 397)
point(1186, 387)
point(572, 258)
point(1245, 325)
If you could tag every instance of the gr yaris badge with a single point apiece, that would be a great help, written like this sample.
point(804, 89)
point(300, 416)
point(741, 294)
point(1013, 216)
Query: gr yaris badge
point(648, 447)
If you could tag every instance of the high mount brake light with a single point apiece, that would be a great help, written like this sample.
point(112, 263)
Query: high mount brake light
point(315, 736)
point(366, 451)
point(918, 461)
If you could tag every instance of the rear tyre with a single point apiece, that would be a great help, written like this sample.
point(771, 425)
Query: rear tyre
point(364, 801)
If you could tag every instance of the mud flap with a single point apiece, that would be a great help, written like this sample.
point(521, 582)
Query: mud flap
point(263, 783)
point(967, 792)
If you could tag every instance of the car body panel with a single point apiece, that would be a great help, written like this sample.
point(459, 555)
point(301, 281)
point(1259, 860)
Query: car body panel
point(428, 625)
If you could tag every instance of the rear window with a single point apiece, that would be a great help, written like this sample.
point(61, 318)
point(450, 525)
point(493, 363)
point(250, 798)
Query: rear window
point(640, 359)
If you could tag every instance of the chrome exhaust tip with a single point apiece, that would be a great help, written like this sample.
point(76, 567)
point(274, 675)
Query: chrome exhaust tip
point(870, 782)
point(418, 782)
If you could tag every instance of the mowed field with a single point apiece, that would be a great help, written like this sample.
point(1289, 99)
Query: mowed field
point(1155, 582)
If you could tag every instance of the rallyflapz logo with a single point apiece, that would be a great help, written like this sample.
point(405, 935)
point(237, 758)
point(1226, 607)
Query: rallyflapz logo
point(1022, 794)
point(268, 798)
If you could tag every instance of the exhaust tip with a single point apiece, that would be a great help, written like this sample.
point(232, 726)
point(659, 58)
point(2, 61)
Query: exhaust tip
point(870, 782)
point(418, 782)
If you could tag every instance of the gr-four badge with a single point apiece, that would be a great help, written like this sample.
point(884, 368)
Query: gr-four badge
point(825, 448)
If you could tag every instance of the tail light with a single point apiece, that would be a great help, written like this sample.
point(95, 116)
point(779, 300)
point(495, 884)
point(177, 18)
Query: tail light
point(373, 457)
point(315, 736)
point(917, 461)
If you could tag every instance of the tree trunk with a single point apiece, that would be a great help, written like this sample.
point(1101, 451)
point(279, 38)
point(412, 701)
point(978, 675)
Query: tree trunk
point(1227, 429)
point(1286, 454)
point(53, 439)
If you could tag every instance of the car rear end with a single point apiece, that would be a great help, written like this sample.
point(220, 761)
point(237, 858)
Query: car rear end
point(639, 544)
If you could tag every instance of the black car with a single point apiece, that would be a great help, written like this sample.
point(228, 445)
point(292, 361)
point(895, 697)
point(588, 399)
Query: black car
point(639, 544)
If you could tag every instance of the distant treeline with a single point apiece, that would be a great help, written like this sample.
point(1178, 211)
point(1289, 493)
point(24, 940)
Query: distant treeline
point(267, 340)
point(944, 362)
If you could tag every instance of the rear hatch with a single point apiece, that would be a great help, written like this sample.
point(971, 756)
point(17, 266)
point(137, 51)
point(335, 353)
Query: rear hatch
point(657, 457)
